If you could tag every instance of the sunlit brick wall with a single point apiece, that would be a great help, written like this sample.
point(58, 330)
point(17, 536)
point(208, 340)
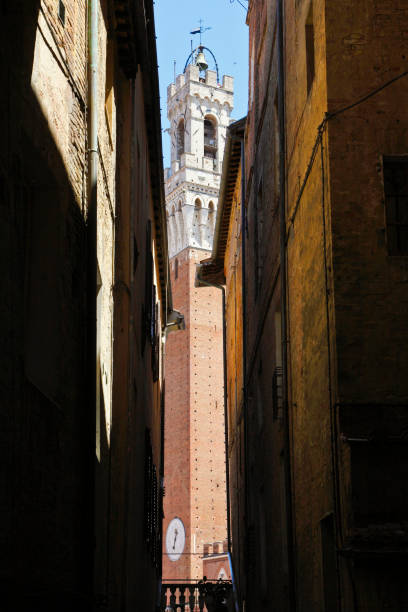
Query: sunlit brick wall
point(194, 447)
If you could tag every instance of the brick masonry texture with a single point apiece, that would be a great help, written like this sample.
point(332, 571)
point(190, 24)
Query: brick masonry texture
point(194, 423)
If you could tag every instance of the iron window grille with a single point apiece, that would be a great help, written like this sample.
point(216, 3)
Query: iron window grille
point(277, 393)
point(152, 506)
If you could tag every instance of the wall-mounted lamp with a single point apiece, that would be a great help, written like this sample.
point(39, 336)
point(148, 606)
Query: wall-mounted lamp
point(175, 322)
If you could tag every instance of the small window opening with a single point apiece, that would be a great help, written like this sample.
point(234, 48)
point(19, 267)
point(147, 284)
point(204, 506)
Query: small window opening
point(176, 264)
point(180, 139)
point(61, 12)
point(310, 49)
point(109, 90)
point(210, 140)
point(396, 204)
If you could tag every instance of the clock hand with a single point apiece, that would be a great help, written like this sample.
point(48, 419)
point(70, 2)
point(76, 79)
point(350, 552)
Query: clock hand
point(175, 538)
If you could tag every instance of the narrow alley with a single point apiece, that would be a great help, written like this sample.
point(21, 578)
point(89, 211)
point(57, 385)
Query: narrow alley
point(204, 310)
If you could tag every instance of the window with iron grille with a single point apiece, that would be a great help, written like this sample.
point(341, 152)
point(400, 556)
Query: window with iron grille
point(152, 506)
point(277, 395)
point(396, 204)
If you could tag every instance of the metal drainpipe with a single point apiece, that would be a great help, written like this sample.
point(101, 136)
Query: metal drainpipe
point(283, 274)
point(92, 265)
point(92, 188)
point(93, 126)
point(224, 356)
point(244, 350)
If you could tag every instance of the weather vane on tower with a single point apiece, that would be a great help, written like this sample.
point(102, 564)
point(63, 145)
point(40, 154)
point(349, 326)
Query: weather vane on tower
point(200, 30)
point(197, 56)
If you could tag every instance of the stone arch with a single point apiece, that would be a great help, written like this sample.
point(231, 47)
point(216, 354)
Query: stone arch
point(211, 220)
point(180, 224)
point(197, 220)
point(210, 137)
point(180, 139)
point(173, 229)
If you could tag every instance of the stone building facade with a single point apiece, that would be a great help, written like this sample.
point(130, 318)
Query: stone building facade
point(320, 511)
point(195, 502)
point(85, 296)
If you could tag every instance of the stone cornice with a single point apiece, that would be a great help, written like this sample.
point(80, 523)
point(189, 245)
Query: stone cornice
point(195, 187)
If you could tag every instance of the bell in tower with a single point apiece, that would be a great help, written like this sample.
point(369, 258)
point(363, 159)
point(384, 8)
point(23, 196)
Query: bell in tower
point(201, 62)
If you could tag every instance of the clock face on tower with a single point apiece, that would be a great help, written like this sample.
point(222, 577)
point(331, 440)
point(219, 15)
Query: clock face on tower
point(175, 539)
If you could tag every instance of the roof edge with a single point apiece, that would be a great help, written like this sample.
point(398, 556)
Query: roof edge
point(235, 132)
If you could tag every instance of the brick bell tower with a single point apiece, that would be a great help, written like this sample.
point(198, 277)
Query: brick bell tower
point(199, 109)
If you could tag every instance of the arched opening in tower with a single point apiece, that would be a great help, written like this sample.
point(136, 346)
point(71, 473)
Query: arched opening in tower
point(197, 221)
point(211, 220)
point(210, 138)
point(180, 138)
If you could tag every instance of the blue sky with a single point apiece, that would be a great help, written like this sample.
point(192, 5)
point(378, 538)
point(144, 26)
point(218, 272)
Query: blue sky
point(227, 39)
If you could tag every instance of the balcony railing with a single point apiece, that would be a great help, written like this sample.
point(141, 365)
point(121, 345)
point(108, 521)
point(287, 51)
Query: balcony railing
point(201, 596)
